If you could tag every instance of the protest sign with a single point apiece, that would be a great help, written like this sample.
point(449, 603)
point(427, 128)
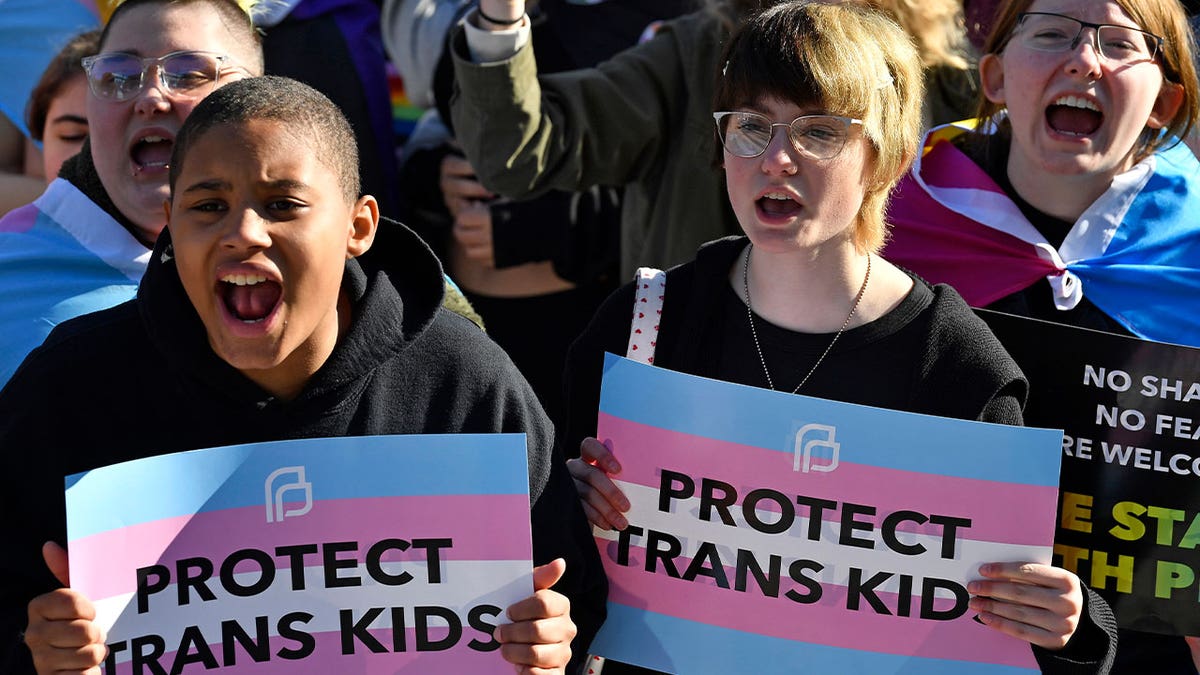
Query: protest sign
point(383, 554)
point(1130, 513)
point(770, 530)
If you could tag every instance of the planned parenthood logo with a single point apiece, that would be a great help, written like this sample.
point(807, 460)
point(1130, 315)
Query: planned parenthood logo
point(816, 448)
point(290, 479)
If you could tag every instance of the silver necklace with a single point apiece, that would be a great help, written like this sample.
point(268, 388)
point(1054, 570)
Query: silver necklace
point(754, 333)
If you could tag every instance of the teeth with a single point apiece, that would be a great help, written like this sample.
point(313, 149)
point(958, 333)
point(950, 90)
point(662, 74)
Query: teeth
point(154, 139)
point(1076, 102)
point(777, 195)
point(243, 279)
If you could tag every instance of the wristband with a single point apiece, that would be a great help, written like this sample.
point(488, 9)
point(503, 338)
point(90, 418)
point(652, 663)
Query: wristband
point(498, 22)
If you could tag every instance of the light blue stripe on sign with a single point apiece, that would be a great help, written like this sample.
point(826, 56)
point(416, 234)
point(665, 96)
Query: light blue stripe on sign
point(214, 479)
point(730, 651)
point(886, 438)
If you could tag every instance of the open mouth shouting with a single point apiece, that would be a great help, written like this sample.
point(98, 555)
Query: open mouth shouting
point(777, 206)
point(249, 298)
point(151, 153)
point(1074, 116)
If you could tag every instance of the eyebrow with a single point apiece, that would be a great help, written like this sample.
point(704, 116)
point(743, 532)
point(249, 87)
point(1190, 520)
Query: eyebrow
point(208, 186)
point(77, 119)
point(287, 184)
point(217, 184)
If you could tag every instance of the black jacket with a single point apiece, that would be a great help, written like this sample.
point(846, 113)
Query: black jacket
point(929, 355)
point(139, 379)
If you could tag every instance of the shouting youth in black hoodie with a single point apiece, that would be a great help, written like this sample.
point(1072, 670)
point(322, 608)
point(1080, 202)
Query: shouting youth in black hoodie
point(143, 378)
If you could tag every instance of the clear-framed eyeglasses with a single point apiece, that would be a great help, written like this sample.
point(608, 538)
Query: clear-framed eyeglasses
point(1049, 32)
point(747, 134)
point(116, 76)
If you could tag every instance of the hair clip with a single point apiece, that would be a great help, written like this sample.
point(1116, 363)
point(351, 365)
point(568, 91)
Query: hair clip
point(724, 68)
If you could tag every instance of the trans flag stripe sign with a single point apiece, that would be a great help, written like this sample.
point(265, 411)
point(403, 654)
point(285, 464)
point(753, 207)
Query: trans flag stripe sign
point(383, 554)
point(775, 533)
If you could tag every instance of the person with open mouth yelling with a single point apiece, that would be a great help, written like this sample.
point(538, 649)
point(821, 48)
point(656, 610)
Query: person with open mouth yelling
point(1071, 198)
point(84, 244)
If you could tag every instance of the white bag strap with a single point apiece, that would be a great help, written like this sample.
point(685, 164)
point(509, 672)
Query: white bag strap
point(643, 340)
point(647, 312)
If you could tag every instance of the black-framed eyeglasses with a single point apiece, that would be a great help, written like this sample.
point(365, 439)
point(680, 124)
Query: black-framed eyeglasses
point(1049, 32)
point(117, 76)
point(747, 134)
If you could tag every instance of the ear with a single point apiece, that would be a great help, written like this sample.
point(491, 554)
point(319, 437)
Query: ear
point(167, 211)
point(1170, 97)
point(991, 77)
point(905, 165)
point(364, 221)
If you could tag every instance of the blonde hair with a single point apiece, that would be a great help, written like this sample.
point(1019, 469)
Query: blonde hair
point(848, 59)
point(937, 26)
point(250, 7)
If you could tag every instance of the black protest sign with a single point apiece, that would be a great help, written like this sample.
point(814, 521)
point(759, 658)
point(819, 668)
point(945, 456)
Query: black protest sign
point(1129, 500)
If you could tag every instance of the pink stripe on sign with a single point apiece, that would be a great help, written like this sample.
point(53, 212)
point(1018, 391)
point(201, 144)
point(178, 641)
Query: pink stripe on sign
point(481, 527)
point(826, 622)
point(1029, 521)
point(327, 657)
point(20, 220)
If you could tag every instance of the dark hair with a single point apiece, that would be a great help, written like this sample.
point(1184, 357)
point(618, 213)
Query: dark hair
point(235, 19)
point(308, 113)
point(732, 13)
point(64, 66)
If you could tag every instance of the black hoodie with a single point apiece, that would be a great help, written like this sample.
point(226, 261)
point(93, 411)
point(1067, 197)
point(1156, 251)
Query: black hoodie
point(139, 379)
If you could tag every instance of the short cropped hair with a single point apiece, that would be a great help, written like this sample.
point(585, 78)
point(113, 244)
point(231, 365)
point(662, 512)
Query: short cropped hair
point(308, 113)
point(847, 59)
point(1165, 18)
point(236, 20)
point(64, 66)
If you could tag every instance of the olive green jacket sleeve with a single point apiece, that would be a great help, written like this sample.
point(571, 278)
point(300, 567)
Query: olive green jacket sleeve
point(642, 120)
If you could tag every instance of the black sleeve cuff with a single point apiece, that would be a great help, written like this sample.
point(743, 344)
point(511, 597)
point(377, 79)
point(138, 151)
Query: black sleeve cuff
point(1091, 649)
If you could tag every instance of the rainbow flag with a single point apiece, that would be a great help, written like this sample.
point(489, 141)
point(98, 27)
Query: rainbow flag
point(383, 554)
point(404, 113)
point(770, 530)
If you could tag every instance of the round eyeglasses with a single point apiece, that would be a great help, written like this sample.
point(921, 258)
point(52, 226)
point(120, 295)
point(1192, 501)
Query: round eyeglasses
point(747, 134)
point(116, 76)
point(1049, 32)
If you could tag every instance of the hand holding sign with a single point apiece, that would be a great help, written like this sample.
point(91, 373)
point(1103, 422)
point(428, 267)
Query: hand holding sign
point(61, 634)
point(603, 501)
point(539, 637)
point(1037, 603)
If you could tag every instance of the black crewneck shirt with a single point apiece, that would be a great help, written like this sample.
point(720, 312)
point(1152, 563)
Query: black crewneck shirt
point(990, 153)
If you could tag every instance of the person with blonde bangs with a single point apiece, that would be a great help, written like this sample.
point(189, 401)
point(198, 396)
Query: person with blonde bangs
point(812, 141)
point(1084, 105)
point(639, 120)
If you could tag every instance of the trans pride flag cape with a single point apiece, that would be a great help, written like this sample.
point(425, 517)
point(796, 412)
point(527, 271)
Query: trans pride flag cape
point(60, 257)
point(1135, 253)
